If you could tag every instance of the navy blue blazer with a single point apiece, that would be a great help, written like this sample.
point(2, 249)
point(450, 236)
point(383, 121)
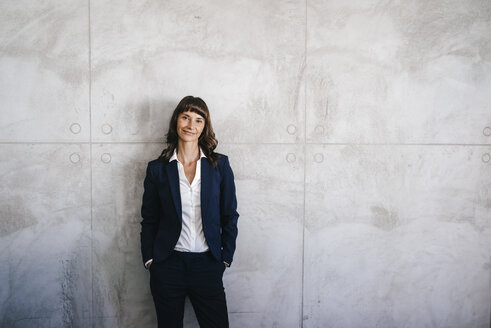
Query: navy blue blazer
point(162, 213)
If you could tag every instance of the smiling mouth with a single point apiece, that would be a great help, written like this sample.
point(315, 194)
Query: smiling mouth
point(189, 132)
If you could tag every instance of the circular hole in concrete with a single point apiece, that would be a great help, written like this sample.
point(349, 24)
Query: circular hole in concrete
point(106, 128)
point(290, 157)
point(291, 129)
point(106, 158)
point(74, 158)
point(75, 128)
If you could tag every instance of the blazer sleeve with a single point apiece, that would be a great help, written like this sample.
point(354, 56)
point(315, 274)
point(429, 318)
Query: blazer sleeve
point(150, 214)
point(228, 212)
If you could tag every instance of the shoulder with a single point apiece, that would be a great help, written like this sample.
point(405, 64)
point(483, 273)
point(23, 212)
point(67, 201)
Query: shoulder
point(221, 157)
point(222, 160)
point(156, 164)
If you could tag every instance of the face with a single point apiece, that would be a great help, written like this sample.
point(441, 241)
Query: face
point(189, 126)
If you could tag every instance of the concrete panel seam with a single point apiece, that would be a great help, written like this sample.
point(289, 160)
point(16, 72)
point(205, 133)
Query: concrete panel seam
point(304, 162)
point(242, 143)
point(91, 173)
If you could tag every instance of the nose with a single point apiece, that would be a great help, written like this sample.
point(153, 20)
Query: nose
point(191, 125)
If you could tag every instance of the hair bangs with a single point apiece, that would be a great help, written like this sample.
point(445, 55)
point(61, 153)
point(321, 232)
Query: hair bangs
point(197, 110)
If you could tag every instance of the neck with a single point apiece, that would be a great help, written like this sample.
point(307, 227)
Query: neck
point(187, 152)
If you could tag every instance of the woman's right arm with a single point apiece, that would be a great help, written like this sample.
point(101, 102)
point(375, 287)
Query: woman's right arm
point(150, 214)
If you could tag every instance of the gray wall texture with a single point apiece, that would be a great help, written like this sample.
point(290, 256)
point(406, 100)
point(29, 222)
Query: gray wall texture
point(359, 133)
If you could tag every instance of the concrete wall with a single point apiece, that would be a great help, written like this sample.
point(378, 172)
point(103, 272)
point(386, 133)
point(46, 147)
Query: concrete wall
point(359, 133)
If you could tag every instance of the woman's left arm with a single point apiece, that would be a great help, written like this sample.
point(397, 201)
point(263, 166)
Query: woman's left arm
point(228, 212)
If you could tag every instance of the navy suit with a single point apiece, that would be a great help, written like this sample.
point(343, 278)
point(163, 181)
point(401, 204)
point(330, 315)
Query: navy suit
point(162, 222)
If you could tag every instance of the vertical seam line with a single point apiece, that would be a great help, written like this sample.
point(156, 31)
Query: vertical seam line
point(304, 164)
point(91, 316)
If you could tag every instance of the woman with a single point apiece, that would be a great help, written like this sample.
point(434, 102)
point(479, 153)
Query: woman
point(189, 224)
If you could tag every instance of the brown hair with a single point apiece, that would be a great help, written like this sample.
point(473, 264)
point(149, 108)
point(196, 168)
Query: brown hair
point(207, 141)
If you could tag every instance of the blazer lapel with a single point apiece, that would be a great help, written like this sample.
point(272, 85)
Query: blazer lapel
point(206, 175)
point(173, 176)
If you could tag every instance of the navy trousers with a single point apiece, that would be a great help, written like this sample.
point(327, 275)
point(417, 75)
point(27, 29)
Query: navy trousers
point(196, 275)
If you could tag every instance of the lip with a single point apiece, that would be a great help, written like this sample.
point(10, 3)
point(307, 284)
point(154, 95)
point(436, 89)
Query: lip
point(188, 133)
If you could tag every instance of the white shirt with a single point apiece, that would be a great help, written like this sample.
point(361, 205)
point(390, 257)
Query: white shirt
point(192, 238)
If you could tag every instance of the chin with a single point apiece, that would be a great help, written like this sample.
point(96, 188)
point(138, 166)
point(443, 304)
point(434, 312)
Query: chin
point(188, 138)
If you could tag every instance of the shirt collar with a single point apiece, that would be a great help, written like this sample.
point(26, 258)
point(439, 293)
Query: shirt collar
point(174, 156)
